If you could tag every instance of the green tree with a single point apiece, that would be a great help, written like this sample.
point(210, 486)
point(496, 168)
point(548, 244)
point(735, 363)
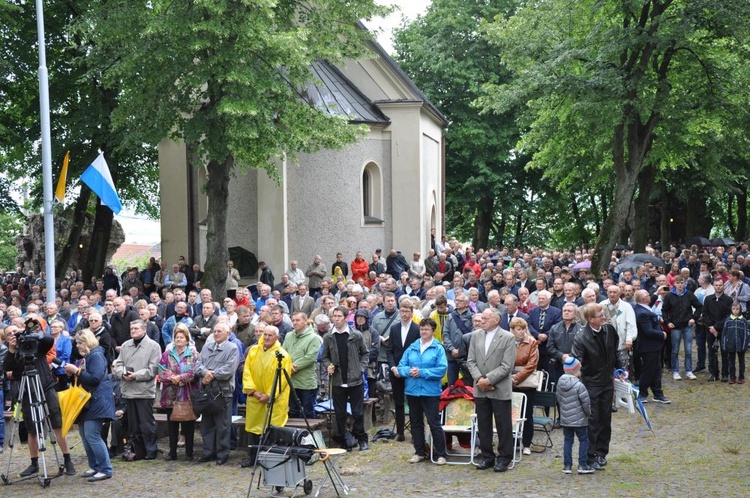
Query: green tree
point(443, 53)
point(11, 226)
point(225, 77)
point(80, 117)
point(598, 84)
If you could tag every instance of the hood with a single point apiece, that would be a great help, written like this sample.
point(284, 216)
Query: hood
point(674, 291)
point(566, 382)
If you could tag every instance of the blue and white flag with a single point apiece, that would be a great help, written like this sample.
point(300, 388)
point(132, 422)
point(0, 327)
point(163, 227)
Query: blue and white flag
point(99, 180)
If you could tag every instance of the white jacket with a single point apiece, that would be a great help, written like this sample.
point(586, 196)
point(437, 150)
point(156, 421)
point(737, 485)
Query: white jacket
point(623, 321)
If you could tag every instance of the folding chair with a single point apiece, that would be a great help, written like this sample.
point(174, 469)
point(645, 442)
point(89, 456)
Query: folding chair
point(544, 423)
point(407, 421)
point(518, 411)
point(457, 418)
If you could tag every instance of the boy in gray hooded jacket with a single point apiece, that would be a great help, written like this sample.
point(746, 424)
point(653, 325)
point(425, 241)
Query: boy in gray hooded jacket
point(575, 409)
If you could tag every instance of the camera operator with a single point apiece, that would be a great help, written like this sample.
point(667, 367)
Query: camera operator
point(15, 363)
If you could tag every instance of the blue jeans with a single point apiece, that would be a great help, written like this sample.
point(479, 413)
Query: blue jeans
point(687, 334)
point(583, 446)
point(307, 397)
point(96, 448)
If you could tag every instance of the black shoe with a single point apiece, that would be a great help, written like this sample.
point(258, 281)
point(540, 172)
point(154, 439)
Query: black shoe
point(149, 456)
point(222, 460)
point(70, 470)
point(247, 462)
point(699, 369)
point(556, 424)
point(207, 458)
point(601, 460)
point(485, 464)
point(725, 379)
point(189, 458)
point(595, 465)
point(363, 446)
point(170, 458)
point(614, 409)
point(662, 399)
point(30, 471)
point(400, 438)
point(712, 378)
point(500, 467)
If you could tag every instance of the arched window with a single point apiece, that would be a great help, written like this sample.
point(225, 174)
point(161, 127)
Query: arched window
point(372, 194)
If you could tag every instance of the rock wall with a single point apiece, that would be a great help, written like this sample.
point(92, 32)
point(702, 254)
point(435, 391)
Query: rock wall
point(30, 246)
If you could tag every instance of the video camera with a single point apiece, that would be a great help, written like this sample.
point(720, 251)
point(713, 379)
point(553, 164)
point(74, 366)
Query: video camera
point(28, 340)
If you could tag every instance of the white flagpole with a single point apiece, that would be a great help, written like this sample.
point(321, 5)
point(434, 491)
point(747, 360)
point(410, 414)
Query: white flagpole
point(49, 227)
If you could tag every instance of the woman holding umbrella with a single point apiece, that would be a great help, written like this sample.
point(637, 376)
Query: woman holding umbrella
point(92, 375)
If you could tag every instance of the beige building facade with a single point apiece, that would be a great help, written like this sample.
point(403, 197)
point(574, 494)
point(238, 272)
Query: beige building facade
point(386, 190)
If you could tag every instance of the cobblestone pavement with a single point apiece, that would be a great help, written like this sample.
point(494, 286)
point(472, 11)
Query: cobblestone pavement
point(700, 448)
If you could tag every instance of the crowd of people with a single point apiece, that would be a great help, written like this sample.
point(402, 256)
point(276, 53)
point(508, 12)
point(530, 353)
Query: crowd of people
point(492, 318)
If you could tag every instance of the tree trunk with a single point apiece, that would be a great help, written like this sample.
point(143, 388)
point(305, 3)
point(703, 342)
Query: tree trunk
point(666, 223)
point(645, 187)
point(730, 218)
point(94, 264)
point(597, 219)
point(581, 232)
point(742, 214)
point(217, 254)
point(79, 218)
point(483, 222)
point(519, 228)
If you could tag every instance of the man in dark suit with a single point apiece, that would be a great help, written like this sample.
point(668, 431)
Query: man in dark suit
point(597, 347)
point(542, 319)
point(511, 312)
point(403, 333)
point(650, 342)
point(302, 301)
point(492, 354)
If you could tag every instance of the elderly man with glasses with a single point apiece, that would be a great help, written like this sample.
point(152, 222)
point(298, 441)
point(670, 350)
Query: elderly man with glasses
point(597, 347)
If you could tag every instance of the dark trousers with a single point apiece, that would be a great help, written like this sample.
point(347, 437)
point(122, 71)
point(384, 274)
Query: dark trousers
point(419, 408)
point(727, 364)
point(713, 355)
point(528, 425)
point(650, 374)
point(600, 421)
point(141, 421)
point(453, 371)
point(398, 385)
point(634, 365)
point(188, 429)
point(501, 411)
point(215, 430)
point(355, 395)
point(307, 398)
point(700, 340)
point(667, 351)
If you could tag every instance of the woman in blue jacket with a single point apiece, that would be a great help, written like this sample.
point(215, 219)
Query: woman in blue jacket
point(423, 365)
point(92, 376)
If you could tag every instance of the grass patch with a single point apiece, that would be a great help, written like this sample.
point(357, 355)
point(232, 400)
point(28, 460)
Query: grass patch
point(732, 449)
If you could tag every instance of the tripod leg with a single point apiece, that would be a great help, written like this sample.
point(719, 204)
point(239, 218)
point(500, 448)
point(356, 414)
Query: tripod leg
point(16, 420)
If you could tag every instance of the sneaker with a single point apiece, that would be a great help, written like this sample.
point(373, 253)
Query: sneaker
point(416, 459)
point(690, 375)
point(30, 471)
point(567, 469)
point(676, 376)
point(441, 461)
point(643, 399)
point(596, 466)
point(586, 470)
point(601, 460)
point(662, 400)
point(527, 451)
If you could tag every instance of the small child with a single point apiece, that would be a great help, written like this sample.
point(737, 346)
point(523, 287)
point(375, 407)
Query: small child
point(734, 339)
point(575, 409)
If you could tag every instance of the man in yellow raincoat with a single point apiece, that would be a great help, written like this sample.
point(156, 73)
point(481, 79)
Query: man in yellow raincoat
point(257, 381)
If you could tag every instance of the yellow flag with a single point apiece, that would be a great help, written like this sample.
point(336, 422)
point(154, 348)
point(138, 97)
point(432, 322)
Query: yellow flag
point(60, 190)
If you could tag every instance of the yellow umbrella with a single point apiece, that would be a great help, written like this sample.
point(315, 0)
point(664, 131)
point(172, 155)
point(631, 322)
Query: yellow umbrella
point(72, 401)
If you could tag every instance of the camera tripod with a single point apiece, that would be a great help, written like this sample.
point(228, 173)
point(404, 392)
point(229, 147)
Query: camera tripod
point(276, 388)
point(31, 389)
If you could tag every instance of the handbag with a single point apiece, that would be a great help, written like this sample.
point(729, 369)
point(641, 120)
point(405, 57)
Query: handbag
point(135, 448)
point(530, 382)
point(208, 399)
point(182, 411)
